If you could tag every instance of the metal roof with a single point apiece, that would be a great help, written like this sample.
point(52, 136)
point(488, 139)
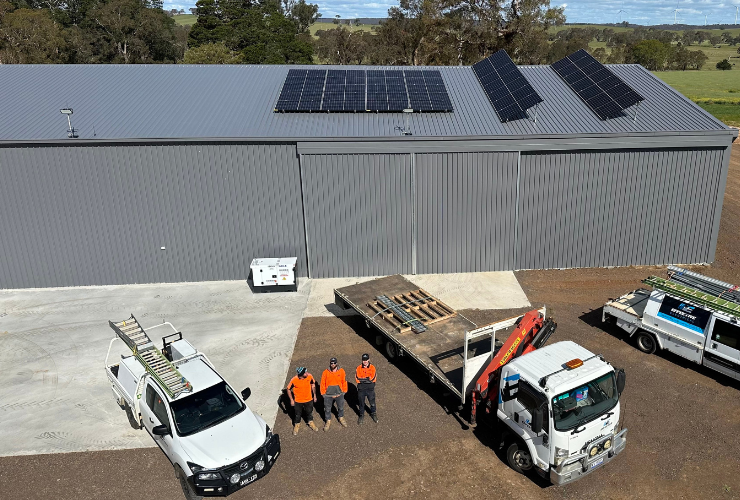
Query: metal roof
point(237, 102)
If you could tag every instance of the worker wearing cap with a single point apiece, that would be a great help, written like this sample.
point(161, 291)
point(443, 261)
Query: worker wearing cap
point(333, 388)
point(365, 376)
point(302, 395)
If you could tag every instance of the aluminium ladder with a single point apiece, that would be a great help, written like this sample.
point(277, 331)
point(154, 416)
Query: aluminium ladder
point(693, 295)
point(134, 336)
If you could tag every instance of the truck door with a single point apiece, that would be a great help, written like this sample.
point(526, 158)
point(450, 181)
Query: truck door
point(527, 400)
point(722, 350)
point(154, 412)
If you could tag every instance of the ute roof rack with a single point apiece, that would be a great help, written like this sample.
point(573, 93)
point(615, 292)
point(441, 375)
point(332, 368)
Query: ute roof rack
point(691, 294)
point(134, 336)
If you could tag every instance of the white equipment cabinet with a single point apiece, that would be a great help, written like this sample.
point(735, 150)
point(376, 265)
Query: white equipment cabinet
point(277, 274)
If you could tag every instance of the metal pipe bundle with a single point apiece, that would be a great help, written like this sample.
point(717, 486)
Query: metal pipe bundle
point(704, 283)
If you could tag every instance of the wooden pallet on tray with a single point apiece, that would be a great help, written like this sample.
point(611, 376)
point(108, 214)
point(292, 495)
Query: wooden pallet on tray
point(411, 311)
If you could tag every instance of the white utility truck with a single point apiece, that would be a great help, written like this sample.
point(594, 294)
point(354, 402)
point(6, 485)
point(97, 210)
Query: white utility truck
point(555, 409)
point(689, 314)
point(216, 444)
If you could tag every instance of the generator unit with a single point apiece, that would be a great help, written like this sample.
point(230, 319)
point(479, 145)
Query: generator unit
point(274, 274)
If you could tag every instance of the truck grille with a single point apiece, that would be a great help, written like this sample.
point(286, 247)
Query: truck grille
point(244, 465)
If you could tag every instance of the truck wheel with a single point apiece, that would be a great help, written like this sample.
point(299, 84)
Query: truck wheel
point(132, 420)
point(186, 489)
point(391, 350)
point(646, 342)
point(519, 458)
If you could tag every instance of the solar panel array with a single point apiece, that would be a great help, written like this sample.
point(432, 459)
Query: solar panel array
point(509, 92)
point(363, 90)
point(604, 92)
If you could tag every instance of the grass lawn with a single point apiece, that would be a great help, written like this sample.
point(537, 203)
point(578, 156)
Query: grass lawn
point(330, 26)
point(704, 86)
point(185, 19)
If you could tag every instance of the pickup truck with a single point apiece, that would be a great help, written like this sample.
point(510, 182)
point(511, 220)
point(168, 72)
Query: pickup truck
point(689, 314)
point(215, 443)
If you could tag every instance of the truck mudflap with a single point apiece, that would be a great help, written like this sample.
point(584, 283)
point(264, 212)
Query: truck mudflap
point(243, 473)
point(582, 466)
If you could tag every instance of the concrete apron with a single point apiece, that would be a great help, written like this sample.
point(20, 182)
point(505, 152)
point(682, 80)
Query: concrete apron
point(54, 394)
point(55, 397)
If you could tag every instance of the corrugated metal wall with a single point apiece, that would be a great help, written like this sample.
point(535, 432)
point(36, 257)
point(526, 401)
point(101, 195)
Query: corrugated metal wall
point(99, 215)
point(358, 214)
point(466, 206)
point(591, 209)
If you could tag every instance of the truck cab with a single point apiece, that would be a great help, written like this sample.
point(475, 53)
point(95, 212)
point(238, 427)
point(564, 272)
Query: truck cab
point(564, 415)
point(214, 441)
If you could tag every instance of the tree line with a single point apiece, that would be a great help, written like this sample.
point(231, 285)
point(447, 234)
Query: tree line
point(416, 32)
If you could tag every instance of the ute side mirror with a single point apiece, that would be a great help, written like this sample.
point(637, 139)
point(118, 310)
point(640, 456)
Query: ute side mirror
point(537, 420)
point(246, 393)
point(160, 430)
point(621, 379)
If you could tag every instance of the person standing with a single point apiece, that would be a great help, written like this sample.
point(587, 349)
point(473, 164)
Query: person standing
point(333, 388)
point(302, 395)
point(366, 376)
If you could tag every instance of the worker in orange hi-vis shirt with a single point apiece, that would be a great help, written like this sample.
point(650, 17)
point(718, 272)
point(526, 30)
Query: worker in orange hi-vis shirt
point(333, 388)
point(302, 395)
point(365, 376)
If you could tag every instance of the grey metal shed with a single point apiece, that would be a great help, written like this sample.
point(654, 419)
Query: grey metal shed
point(185, 173)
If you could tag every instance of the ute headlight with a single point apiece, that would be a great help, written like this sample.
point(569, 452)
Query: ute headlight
point(560, 455)
point(259, 465)
point(593, 451)
point(607, 444)
point(208, 476)
point(234, 478)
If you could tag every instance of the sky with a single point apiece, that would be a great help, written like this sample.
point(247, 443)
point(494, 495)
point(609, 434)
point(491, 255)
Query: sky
point(646, 12)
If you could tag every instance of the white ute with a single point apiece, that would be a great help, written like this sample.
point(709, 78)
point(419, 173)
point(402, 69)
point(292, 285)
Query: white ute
point(691, 315)
point(216, 444)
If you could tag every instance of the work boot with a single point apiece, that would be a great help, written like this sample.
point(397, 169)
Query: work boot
point(343, 422)
point(327, 425)
point(360, 419)
point(295, 429)
point(313, 426)
point(374, 416)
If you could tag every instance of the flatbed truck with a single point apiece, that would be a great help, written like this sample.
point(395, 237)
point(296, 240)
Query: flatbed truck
point(555, 408)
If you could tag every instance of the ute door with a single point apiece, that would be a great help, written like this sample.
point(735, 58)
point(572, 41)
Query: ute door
point(527, 400)
point(154, 412)
point(722, 351)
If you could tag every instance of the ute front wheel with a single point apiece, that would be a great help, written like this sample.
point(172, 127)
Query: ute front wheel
point(519, 458)
point(187, 490)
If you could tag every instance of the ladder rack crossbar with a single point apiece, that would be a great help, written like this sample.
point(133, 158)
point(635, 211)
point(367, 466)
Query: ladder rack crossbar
point(694, 295)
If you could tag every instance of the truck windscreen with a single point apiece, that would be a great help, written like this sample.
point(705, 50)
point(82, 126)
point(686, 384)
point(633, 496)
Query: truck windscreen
point(585, 403)
point(205, 408)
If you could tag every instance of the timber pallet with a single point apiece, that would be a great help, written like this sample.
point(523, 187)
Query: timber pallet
point(411, 311)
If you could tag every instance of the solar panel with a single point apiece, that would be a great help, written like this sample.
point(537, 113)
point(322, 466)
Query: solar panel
point(363, 90)
point(302, 90)
point(604, 92)
point(508, 91)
